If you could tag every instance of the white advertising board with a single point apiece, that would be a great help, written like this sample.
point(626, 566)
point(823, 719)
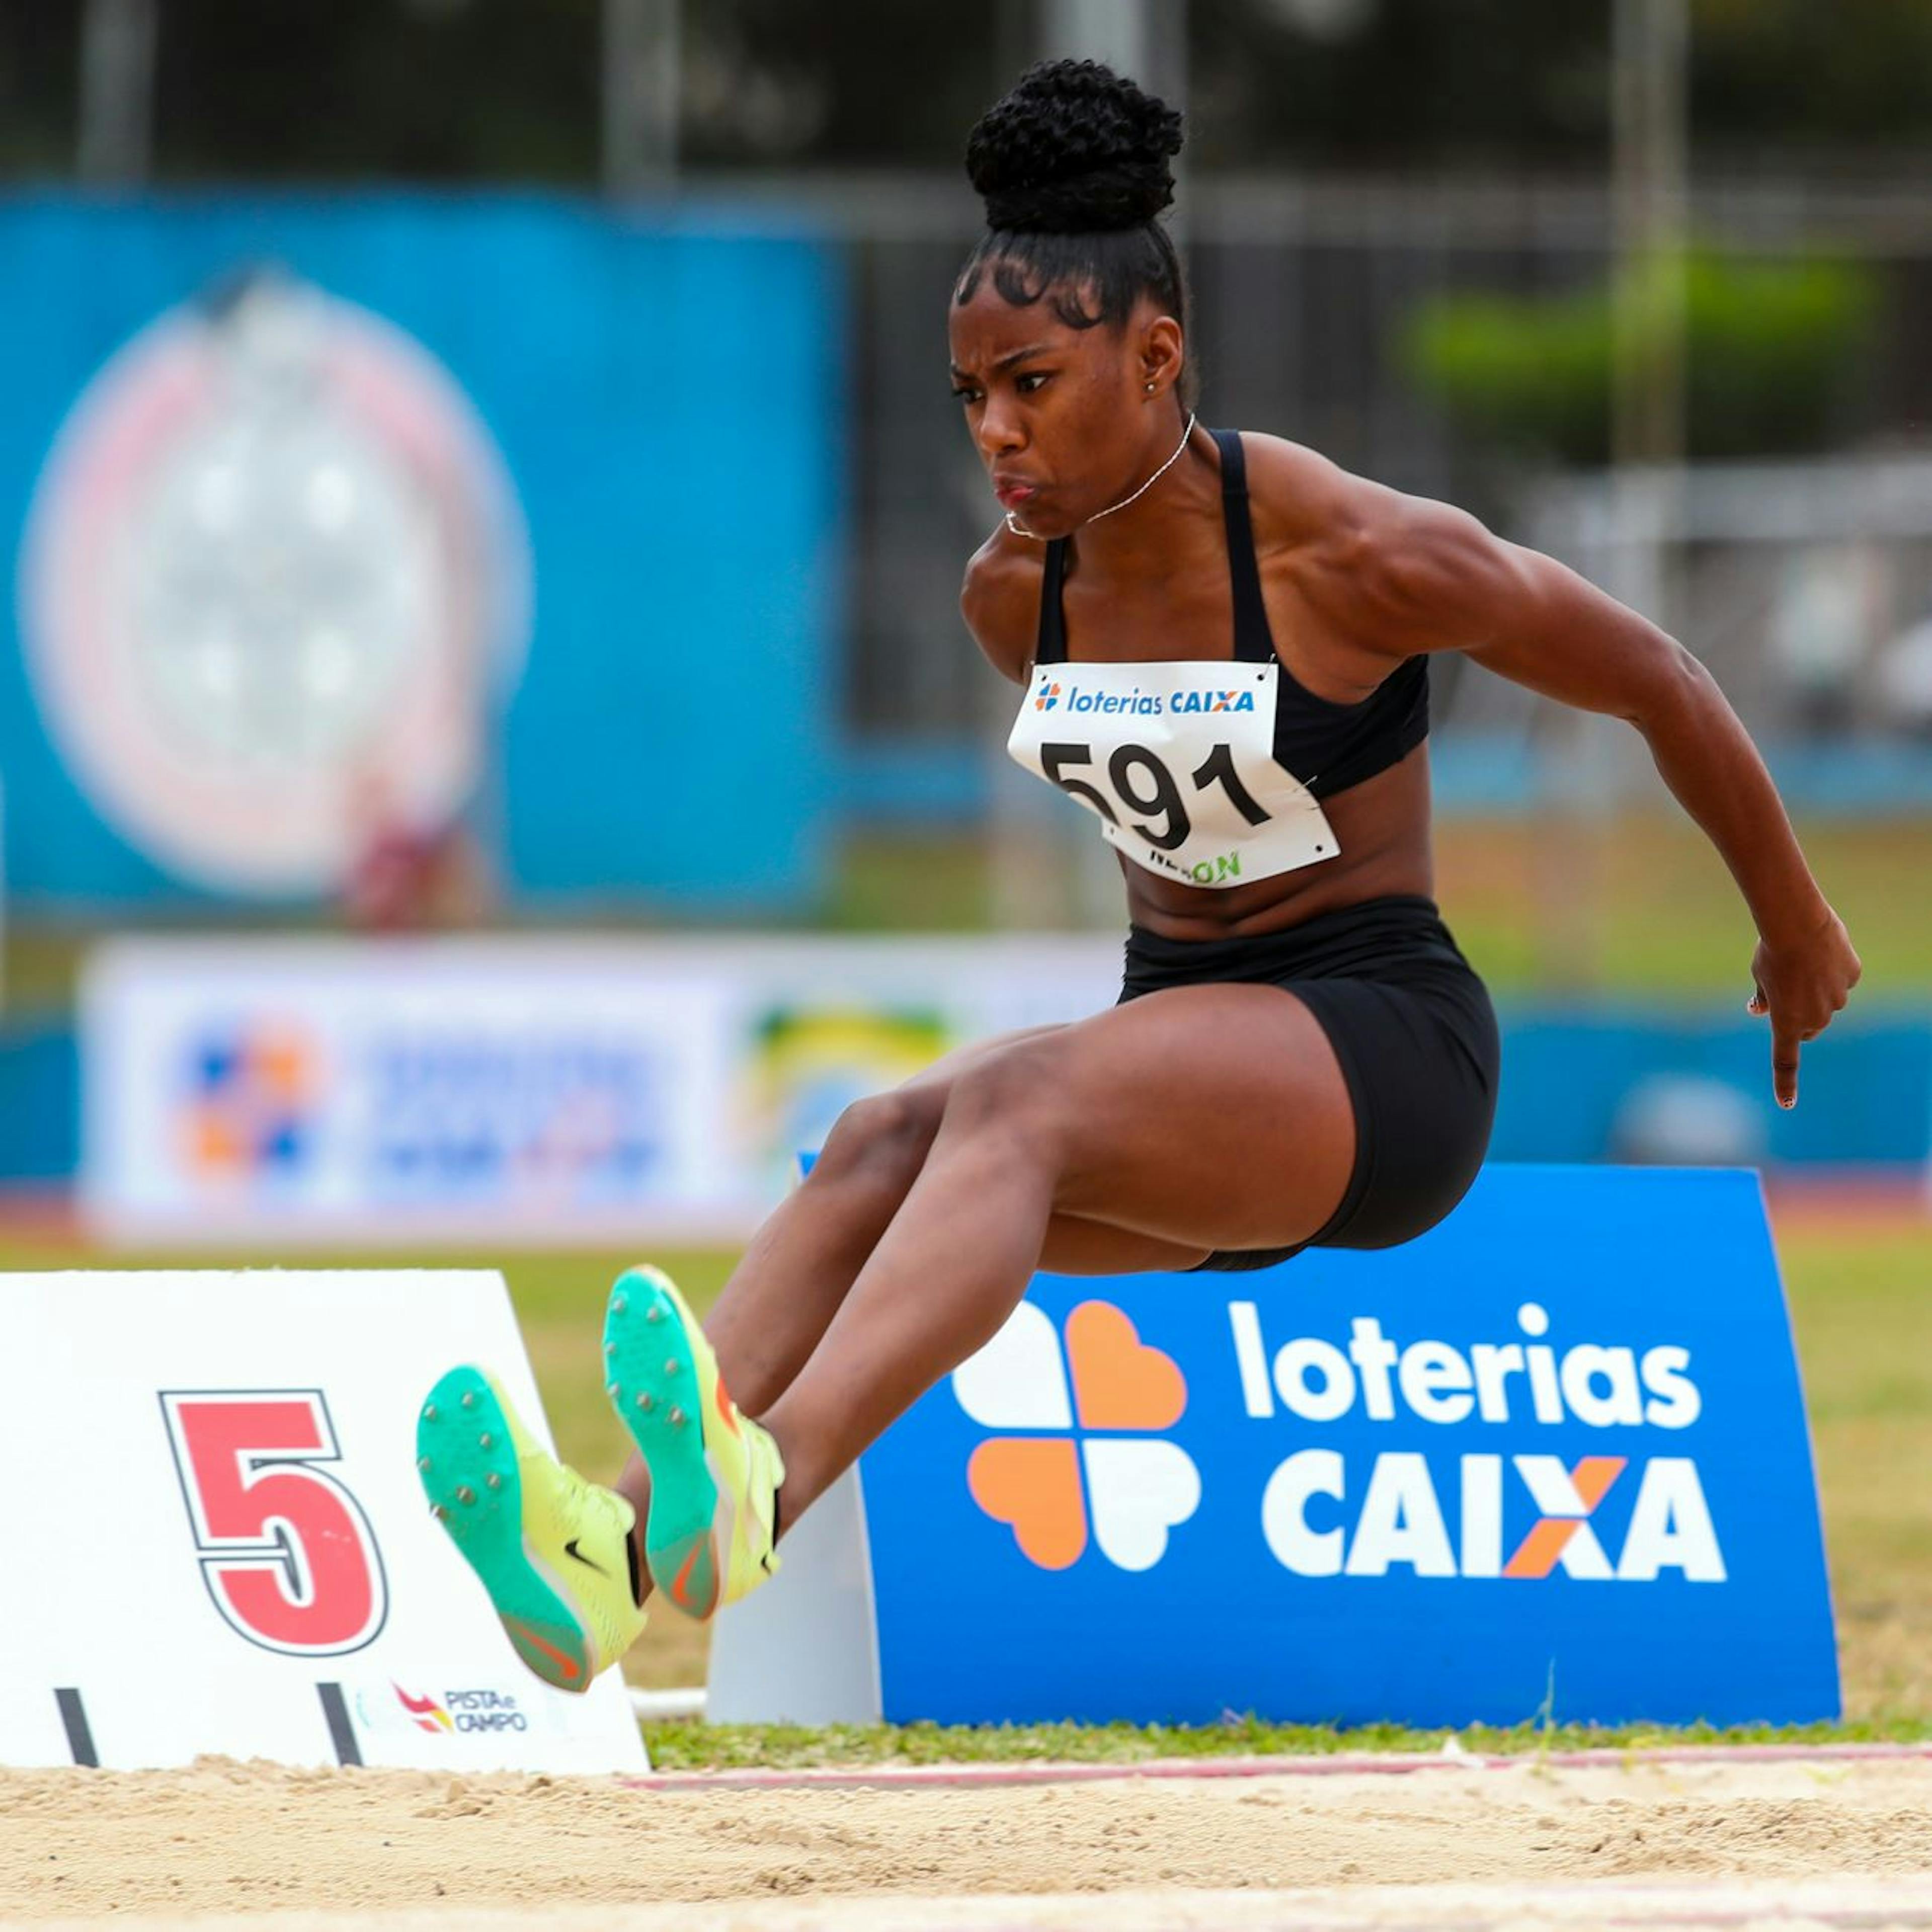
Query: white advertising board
point(512, 1089)
point(216, 1540)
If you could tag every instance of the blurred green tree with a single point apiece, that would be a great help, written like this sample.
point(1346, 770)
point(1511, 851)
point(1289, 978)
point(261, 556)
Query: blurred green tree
point(510, 89)
point(1773, 349)
point(1788, 79)
point(484, 89)
point(40, 69)
point(1522, 83)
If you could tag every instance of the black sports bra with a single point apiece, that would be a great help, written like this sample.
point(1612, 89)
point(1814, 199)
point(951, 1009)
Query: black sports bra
point(1328, 746)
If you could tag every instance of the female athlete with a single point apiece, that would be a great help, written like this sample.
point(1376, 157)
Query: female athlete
point(1223, 640)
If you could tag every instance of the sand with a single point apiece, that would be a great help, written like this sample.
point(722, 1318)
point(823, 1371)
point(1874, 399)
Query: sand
point(1729, 1842)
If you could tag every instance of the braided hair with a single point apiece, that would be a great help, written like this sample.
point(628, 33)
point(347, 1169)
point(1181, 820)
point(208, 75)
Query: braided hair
point(1073, 165)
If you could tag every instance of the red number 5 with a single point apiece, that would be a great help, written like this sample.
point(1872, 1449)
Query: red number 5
point(287, 1554)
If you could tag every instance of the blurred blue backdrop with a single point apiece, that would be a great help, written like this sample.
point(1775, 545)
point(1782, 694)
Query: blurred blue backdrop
point(669, 398)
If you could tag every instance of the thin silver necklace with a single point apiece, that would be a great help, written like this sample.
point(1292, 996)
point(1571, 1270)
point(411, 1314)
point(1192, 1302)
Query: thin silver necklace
point(1021, 530)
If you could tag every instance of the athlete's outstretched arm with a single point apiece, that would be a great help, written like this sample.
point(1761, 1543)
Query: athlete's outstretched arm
point(1436, 579)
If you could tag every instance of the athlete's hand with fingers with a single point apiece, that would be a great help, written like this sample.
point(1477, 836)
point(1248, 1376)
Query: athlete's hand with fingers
point(1801, 982)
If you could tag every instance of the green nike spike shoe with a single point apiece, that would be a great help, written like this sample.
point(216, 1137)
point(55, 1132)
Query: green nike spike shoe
point(714, 1474)
point(554, 1551)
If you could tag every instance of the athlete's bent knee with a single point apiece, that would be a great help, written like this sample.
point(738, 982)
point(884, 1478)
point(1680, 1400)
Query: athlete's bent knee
point(885, 1136)
point(1018, 1099)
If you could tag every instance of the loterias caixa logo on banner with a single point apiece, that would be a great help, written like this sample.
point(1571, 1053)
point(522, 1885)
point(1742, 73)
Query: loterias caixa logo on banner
point(1120, 1479)
point(1550, 1460)
point(1052, 1487)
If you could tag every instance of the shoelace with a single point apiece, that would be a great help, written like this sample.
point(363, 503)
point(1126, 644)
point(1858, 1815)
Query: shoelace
point(605, 1508)
point(597, 1500)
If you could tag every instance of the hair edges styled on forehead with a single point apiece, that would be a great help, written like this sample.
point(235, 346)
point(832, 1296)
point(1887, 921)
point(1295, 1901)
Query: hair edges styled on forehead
point(1086, 280)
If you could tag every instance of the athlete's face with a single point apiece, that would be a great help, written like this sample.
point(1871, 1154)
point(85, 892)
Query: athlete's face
point(1064, 418)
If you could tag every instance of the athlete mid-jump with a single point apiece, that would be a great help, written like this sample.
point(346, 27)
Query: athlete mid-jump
point(1223, 641)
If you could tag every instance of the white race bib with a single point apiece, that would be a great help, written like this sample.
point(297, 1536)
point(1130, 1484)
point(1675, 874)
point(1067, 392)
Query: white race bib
point(1178, 762)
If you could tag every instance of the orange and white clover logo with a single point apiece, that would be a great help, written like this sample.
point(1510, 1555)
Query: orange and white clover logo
point(1115, 1478)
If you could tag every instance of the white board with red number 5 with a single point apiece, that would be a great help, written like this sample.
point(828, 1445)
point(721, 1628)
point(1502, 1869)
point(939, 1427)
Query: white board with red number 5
point(214, 1539)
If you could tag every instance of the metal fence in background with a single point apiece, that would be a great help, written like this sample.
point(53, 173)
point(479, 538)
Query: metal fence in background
point(1305, 294)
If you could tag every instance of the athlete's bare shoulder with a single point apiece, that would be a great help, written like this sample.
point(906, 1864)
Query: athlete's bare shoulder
point(1390, 570)
point(1302, 500)
point(1000, 600)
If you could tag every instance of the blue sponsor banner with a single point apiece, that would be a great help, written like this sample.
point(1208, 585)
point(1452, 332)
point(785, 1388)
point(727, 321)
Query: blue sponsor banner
point(1549, 1460)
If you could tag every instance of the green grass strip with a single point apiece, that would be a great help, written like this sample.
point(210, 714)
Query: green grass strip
point(685, 1744)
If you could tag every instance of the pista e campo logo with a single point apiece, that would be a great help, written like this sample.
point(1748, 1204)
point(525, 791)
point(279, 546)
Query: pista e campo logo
point(1049, 695)
point(427, 1714)
point(1079, 1455)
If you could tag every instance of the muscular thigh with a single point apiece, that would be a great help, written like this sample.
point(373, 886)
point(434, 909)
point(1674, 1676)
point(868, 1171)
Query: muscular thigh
point(1074, 1245)
point(937, 1081)
point(1209, 1117)
point(922, 1099)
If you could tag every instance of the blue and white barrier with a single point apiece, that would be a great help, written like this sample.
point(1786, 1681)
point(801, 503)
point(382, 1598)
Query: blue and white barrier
point(1549, 1460)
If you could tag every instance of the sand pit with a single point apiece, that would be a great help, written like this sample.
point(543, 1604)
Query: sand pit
point(1731, 1842)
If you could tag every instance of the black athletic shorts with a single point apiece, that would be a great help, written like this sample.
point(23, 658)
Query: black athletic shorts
point(1413, 1028)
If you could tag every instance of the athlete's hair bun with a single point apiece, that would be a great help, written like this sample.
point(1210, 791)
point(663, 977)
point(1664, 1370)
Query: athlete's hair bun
point(1074, 149)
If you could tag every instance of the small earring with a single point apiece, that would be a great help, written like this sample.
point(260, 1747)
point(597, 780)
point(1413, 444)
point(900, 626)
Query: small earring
point(1150, 388)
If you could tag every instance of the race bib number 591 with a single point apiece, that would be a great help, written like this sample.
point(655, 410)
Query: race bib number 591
point(1176, 761)
point(286, 1550)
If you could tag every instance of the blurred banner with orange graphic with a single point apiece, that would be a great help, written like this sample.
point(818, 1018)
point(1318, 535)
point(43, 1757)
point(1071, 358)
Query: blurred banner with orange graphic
point(523, 1089)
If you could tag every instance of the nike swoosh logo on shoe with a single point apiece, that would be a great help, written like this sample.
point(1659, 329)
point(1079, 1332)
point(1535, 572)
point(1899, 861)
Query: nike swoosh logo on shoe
point(567, 1664)
point(680, 1587)
point(570, 1549)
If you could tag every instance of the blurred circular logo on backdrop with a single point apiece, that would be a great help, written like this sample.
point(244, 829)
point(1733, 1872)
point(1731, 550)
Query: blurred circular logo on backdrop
point(274, 584)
